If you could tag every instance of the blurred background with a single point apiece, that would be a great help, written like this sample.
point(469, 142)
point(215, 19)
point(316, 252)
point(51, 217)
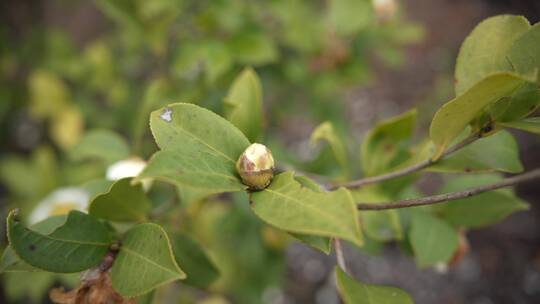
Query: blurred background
point(71, 67)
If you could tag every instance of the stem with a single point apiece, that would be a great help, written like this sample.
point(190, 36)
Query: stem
point(435, 199)
point(339, 255)
point(408, 170)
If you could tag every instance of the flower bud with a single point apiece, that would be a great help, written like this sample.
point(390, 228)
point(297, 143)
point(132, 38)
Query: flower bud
point(256, 167)
point(385, 9)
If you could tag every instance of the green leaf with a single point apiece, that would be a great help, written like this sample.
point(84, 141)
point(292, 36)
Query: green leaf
point(493, 36)
point(96, 187)
point(350, 16)
point(382, 225)
point(520, 104)
point(253, 49)
point(123, 203)
point(123, 12)
point(48, 94)
point(318, 242)
point(531, 125)
point(218, 61)
point(100, 144)
point(243, 104)
point(455, 115)
point(353, 292)
point(480, 210)
point(189, 195)
point(144, 262)
point(386, 145)
point(200, 270)
point(525, 52)
point(10, 262)
point(325, 131)
point(498, 152)
point(31, 178)
point(147, 298)
point(287, 205)
point(80, 243)
point(198, 149)
point(432, 239)
point(36, 285)
point(208, 173)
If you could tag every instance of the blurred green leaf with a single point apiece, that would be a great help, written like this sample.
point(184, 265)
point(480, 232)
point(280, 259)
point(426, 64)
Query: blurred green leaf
point(432, 239)
point(480, 210)
point(301, 28)
point(218, 61)
point(493, 36)
point(188, 63)
point(350, 16)
point(33, 293)
point(353, 292)
point(99, 58)
point(96, 187)
point(386, 145)
point(200, 270)
point(80, 243)
point(121, 11)
point(48, 94)
point(243, 104)
point(198, 148)
point(531, 125)
point(31, 178)
point(100, 144)
point(524, 54)
point(147, 298)
point(123, 203)
point(383, 225)
point(10, 262)
point(326, 132)
point(455, 115)
point(498, 152)
point(66, 126)
point(330, 214)
point(189, 195)
point(144, 262)
point(253, 49)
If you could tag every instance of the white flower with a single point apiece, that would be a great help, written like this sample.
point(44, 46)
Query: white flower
point(59, 202)
point(125, 168)
point(128, 168)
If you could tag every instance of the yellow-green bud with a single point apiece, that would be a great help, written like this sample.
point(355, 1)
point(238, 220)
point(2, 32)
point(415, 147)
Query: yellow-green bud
point(256, 166)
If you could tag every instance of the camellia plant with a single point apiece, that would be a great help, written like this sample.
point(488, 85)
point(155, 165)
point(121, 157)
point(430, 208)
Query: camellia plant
point(137, 232)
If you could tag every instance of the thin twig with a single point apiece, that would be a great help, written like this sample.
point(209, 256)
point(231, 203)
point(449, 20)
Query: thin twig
point(339, 255)
point(408, 170)
point(429, 200)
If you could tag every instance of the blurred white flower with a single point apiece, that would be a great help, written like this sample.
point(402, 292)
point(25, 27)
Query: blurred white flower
point(441, 268)
point(59, 202)
point(125, 168)
point(130, 167)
